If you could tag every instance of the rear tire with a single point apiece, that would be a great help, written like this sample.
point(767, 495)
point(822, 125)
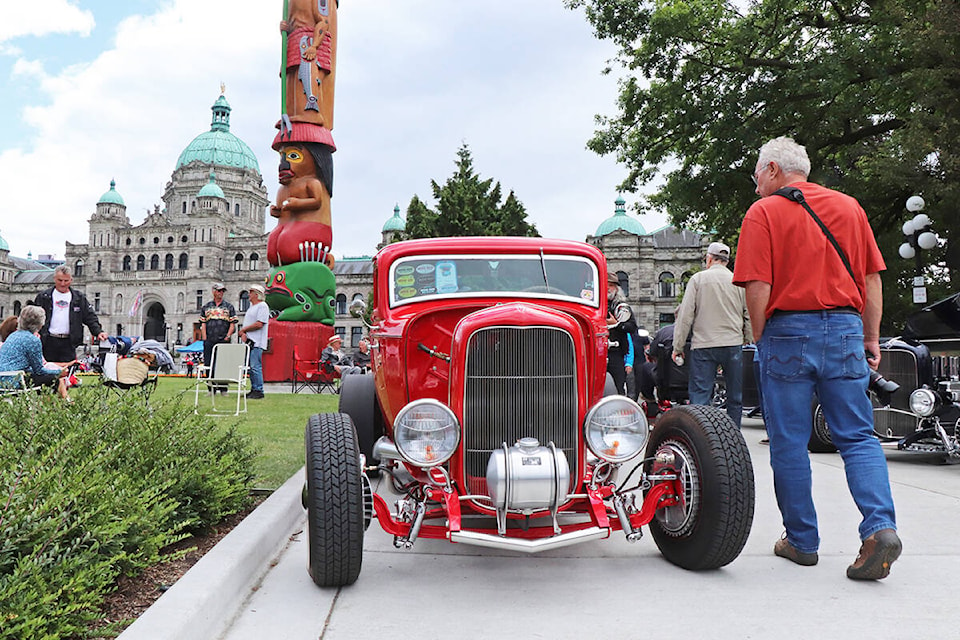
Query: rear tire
point(334, 500)
point(358, 399)
point(820, 440)
point(710, 527)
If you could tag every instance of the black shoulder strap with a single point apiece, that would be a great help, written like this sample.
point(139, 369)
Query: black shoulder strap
point(794, 194)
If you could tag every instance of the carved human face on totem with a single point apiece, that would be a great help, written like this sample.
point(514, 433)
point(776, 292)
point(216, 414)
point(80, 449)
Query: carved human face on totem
point(295, 162)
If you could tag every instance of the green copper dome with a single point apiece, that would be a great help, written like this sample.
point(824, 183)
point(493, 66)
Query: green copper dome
point(620, 221)
point(111, 196)
point(3, 245)
point(395, 223)
point(211, 188)
point(218, 146)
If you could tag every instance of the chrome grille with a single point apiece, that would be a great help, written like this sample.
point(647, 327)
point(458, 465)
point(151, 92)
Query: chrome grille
point(520, 382)
point(900, 366)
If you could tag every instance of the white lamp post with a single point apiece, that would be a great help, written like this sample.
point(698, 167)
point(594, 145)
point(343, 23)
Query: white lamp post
point(918, 236)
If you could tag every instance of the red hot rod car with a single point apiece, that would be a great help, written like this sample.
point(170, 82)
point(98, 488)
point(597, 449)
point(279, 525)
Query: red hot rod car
point(487, 412)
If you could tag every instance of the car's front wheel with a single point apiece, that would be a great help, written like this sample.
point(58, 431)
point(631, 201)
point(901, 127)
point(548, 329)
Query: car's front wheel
point(334, 500)
point(709, 526)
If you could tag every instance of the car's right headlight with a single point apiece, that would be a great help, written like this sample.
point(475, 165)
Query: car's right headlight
point(616, 429)
point(426, 433)
point(924, 402)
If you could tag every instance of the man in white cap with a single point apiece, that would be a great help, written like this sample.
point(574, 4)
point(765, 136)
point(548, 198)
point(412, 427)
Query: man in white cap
point(254, 332)
point(334, 357)
point(714, 314)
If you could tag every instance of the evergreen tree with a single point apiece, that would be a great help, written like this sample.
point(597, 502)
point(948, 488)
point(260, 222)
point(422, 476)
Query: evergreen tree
point(467, 206)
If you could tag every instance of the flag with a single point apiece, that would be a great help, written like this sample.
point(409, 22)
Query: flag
point(137, 299)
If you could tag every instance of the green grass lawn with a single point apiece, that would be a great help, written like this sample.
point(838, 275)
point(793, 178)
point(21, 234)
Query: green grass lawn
point(275, 424)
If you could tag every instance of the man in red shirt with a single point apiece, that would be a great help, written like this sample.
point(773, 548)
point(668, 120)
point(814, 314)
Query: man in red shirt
point(817, 325)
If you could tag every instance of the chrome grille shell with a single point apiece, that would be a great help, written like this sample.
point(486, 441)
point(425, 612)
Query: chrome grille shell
point(519, 381)
point(903, 367)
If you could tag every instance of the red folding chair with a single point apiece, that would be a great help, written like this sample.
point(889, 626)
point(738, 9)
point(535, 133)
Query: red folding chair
point(312, 375)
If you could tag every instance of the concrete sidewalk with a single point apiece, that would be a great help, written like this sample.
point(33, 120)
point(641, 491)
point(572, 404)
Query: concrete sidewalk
point(606, 588)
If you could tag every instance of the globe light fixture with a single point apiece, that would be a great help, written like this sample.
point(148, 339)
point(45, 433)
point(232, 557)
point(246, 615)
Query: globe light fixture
point(919, 236)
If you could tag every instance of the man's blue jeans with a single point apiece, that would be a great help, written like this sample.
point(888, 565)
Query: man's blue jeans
point(822, 352)
point(703, 374)
point(256, 369)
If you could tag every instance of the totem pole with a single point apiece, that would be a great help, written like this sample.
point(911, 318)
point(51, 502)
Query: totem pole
point(301, 290)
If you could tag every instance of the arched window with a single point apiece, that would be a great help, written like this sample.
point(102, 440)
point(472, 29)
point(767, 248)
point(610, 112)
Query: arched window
point(126, 263)
point(624, 280)
point(244, 301)
point(183, 209)
point(254, 261)
point(141, 262)
point(16, 307)
point(78, 268)
point(168, 262)
point(118, 304)
point(341, 304)
point(666, 288)
point(238, 262)
point(684, 279)
point(236, 209)
point(154, 262)
point(183, 260)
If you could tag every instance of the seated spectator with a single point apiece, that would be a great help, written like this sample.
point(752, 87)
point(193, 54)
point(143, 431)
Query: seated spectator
point(334, 358)
point(23, 351)
point(361, 357)
point(8, 326)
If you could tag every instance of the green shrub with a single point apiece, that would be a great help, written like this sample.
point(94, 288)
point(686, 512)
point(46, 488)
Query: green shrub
point(98, 488)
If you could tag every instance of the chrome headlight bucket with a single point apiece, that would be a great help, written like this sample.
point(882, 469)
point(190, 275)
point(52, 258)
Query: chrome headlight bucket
point(924, 402)
point(616, 429)
point(426, 433)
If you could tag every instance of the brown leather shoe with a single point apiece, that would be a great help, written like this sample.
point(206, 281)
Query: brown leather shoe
point(786, 550)
point(876, 555)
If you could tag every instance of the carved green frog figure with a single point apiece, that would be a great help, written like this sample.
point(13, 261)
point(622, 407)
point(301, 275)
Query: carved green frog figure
point(302, 292)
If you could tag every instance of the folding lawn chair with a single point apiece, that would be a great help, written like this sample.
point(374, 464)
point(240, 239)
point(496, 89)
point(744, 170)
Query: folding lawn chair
point(121, 375)
point(311, 374)
point(14, 383)
point(228, 369)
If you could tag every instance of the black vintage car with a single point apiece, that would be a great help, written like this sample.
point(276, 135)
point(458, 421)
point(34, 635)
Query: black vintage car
point(916, 390)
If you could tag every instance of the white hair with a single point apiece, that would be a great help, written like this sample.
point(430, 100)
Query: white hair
point(32, 318)
point(63, 269)
point(790, 156)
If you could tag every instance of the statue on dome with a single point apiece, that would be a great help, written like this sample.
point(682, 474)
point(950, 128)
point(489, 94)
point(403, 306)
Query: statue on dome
point(310, 51)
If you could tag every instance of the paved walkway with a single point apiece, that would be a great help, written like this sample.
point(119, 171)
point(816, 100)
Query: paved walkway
point(609, 588)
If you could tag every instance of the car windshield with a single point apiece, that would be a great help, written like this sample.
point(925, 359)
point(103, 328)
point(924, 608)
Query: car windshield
point(419, 278)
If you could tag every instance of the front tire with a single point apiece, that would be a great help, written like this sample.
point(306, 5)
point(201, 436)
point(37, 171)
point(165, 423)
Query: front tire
point(334, 500)
point(710, 526)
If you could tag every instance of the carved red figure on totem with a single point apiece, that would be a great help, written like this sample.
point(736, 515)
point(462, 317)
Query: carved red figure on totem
point(311, 56)
point(304, 232)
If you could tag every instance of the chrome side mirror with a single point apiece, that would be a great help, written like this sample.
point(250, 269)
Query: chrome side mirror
point(622, 312)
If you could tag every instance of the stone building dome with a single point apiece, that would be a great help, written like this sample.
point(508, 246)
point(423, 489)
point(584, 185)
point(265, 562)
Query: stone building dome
point(395, 222)
point(218, 146)
point(211, 189)
point(620, 221)
point(111, 196)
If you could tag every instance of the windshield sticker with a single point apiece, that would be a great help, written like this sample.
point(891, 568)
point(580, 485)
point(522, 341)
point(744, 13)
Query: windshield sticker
point(446, 277)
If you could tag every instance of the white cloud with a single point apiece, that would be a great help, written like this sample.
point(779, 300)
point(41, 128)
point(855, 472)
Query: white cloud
point(519, 83)
point(43, 17)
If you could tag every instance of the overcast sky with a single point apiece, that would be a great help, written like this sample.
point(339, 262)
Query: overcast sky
point(95, 90)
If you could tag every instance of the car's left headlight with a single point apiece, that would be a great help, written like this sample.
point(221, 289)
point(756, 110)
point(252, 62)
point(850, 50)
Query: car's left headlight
point(616, 429)
point(924, 402)
point(426, 433)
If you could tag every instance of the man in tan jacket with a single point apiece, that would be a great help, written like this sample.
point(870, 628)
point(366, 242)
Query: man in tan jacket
point(714, 313)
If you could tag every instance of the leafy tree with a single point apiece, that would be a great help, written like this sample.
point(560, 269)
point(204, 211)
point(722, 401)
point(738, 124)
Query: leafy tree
point(467, 206)
point(870, 87)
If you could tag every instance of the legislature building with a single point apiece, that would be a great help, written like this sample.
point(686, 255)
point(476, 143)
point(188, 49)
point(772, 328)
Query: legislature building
point(151, 279)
